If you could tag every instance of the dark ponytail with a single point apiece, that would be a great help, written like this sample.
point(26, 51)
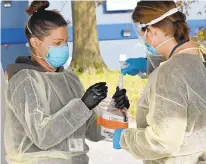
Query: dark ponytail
point(37, 6)
point(181, 29)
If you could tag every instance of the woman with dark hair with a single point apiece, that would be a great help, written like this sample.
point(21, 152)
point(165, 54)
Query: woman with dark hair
point(48, 114)
point(171, 126)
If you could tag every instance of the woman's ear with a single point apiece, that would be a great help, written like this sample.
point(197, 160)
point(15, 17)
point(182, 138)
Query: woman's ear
point(35, 43)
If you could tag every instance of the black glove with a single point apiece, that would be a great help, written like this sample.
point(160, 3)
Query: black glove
point(121, 99)
point(95, 94)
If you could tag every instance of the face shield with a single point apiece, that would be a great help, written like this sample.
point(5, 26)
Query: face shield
point(153, 61)
point(138, 31)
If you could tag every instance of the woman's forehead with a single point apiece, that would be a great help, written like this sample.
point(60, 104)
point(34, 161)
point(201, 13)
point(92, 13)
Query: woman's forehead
point(59, 33)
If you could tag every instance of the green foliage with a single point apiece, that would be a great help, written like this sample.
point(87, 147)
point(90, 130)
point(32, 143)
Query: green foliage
point(185, 7)
point(200, 35)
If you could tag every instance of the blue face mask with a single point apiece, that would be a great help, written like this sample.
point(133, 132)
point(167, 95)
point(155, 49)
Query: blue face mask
point(151, 49)
point(57, 56)
point(148, 48)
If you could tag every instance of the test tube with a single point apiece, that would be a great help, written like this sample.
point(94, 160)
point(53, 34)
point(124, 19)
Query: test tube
point(122, 59)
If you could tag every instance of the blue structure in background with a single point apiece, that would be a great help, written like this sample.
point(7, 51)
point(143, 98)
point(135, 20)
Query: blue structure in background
point(14, 20)
point(105, 32)
point(14, 17)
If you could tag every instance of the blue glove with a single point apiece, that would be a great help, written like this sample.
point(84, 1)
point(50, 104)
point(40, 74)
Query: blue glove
point(135, 66)
point(116, 138)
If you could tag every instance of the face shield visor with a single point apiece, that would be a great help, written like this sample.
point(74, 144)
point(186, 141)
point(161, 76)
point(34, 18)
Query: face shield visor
point(152, 61)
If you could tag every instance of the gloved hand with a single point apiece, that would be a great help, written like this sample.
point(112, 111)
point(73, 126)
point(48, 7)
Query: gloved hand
point(121, 99)
point(116, 138)
point(135, 66)
point(95, 94)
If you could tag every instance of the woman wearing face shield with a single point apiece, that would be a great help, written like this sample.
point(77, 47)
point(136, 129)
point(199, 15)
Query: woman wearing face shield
point(136, 66)
point(171, 126)
point(48, 114)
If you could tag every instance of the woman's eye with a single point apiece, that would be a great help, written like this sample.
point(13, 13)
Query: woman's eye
point(57, 43)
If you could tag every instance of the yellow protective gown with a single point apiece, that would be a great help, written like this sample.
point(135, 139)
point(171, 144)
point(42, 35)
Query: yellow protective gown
point(171, 116)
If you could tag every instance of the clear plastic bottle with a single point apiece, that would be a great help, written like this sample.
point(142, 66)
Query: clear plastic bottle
point(109, 117)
